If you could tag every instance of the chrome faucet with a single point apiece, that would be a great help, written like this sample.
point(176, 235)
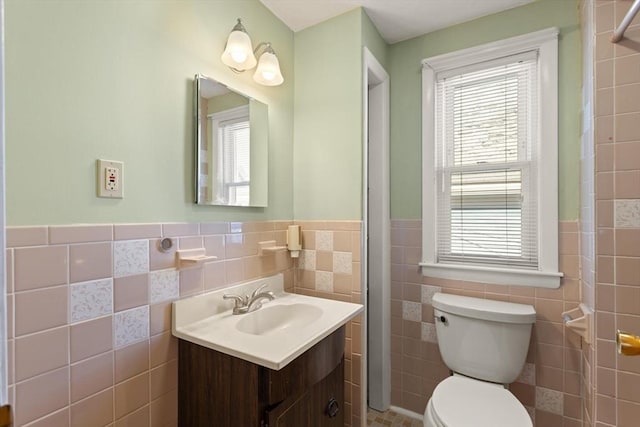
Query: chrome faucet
point(248, 303)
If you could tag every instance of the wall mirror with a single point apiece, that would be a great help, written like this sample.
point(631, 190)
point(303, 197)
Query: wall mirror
point(231, 146)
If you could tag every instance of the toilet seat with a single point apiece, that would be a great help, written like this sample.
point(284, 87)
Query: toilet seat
point(464, 402)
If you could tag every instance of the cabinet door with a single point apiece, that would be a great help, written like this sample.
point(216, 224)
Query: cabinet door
point(311, 408)
point(304, 372)
point(327, 400)
point(291, 413)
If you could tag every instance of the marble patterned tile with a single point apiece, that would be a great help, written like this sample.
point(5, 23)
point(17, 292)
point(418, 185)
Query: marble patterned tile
point(324, 240)
point(549, 400)
point(428, 292)
point(428, 332)
point(324, 281)
point(627, 213)
point(130, 257)
point(528, 374)
point(164, 285)
point(90, 300)
point(342, 262)
point(131, 326)
point(307, 260)
point(411, 311)
point(532, 413)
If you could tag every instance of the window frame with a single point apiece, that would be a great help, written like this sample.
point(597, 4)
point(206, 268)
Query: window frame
point(545, 42)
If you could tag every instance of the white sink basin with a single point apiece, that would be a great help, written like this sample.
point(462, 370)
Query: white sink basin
point(275, 318)
point(271, 336)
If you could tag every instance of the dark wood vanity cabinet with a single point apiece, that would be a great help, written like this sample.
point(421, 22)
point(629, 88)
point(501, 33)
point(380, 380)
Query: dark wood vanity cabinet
point(218, 390)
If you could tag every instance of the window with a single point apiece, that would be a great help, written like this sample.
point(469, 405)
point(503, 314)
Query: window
point(488, 207)
point(231, 156)
point(234, 155)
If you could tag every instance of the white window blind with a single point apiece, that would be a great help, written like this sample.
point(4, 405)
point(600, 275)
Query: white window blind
point(486, 163)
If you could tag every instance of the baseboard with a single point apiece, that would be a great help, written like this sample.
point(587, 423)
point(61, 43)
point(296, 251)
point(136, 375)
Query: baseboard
point(406, 412)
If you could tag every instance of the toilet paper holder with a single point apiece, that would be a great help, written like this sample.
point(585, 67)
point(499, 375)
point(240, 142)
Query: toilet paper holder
point(627, 344)
point(580, 321)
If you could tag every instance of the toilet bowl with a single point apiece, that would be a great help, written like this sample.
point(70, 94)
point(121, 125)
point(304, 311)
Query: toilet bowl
point(464, 402)
point(484, 343)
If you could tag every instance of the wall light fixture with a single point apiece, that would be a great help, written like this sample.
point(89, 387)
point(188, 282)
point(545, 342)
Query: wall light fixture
point(240, 56)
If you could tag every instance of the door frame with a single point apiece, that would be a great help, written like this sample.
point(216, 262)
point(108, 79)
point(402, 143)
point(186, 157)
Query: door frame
point(376, 263)
point(4, 397)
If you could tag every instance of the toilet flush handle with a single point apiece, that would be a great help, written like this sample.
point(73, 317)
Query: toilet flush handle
point(441, 319)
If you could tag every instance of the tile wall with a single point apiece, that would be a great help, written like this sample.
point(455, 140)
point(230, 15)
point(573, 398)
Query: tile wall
point(89, 311)
point(616, 383)
point(329, 267)
point(550, 384)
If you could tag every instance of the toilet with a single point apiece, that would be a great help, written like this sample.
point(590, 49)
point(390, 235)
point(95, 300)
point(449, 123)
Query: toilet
point(484, 343)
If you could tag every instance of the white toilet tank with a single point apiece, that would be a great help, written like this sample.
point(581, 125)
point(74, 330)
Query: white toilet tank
point(483, 339)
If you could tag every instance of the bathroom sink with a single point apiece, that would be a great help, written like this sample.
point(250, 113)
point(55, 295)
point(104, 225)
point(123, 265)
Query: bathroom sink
point(273, 335)
point(274, 318)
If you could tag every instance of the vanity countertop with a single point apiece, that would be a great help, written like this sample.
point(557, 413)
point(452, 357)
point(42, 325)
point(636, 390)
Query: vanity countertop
point(271, 336)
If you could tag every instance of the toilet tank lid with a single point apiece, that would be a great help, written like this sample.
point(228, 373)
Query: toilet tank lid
point(485, 309)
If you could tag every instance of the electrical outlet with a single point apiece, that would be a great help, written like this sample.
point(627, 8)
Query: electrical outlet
point(110, 179)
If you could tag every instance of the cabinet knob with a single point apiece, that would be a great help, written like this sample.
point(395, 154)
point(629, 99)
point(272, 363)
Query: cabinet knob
point(332, 408)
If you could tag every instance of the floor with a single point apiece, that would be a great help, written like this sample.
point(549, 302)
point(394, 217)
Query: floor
point(390, 418)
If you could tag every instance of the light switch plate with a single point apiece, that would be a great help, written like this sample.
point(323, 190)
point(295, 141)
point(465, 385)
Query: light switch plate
point(110, 179)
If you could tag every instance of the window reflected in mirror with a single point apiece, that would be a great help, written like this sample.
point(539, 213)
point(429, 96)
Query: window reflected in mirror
point(232, 146)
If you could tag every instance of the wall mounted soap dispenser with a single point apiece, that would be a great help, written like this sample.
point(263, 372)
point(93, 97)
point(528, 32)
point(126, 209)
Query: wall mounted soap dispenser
point(294, 240)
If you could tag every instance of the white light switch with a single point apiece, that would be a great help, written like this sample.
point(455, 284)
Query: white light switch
point(110, 176)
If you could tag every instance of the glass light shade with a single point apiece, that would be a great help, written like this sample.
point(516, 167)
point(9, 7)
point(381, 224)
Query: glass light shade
point(268, 71)
point(238, 54)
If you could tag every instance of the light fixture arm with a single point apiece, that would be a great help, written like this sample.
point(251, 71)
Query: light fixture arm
point(267, 48)
point(239, 27)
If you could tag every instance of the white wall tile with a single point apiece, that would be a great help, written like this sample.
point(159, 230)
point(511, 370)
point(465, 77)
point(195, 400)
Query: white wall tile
point(324, 240)
point(528, 374)
point(412, 311)
point(429, 332)
point(164, 285)
point(131, 326)
point(549, 400)
point(92, 299)
point(307, 260)
point(428, 292)
point(532, 413)
point(627, 213)
point(342, 262)
point(324, 281)
point(130, 257)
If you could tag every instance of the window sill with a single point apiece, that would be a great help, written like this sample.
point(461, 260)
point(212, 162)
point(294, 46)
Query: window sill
point(493, 275)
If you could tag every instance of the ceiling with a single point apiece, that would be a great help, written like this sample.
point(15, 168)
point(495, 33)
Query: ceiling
point(396, 20)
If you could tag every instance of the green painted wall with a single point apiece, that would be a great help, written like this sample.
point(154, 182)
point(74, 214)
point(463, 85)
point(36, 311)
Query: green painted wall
point(225, 102)
point(328, 115)
point(327, 167)
point(113, 80)
point(404, 62)
point(372, 39)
